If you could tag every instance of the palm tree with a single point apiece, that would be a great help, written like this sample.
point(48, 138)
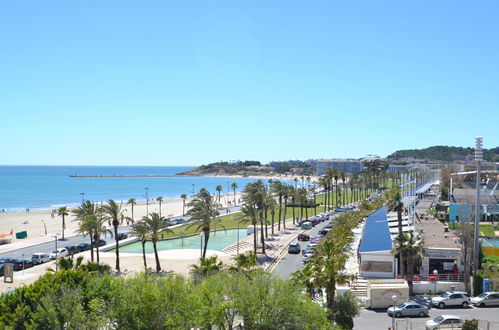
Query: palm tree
point(132, 202)
point(159, 199)
point(277, 187)
point(219, 190)
point(251, 214)
point(184, 197)
point(256, 193)
point(207, 267)
point(327, 269)
point(245, 263)
point(155, 224)
point(62, 212)
point(395, 204)
point(82, 214)
point(408, 246)
point(141, 231)
point(204, 214)
point(96, 223)
point(113, 212)
point(234, 187)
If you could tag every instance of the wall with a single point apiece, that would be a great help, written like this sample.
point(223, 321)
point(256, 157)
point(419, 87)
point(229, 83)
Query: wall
point(425, 287)
point(380, 256)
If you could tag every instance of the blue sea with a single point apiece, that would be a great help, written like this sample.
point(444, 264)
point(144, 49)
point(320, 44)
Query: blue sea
point(46, 187)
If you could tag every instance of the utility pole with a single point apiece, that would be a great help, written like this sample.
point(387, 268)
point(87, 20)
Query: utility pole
point(478, 158)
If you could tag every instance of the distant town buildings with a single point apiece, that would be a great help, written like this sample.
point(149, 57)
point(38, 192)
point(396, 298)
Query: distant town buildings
point(346, 165)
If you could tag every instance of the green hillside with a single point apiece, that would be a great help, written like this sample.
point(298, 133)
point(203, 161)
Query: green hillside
point(446, 153)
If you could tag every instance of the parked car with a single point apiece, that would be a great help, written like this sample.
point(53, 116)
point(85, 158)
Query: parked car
point(303, 237)
point(306, 225)
point(454, 298)
point(72, 249)
point(316, 238)
point(294, 248)
point(307, 256)
point(62, 252)
point(39, 258)
point(20, 264)
point(7, 260)
point(84, 246)
point(408, 309)
point(100, 243)
point(444, 322)
point(121, 236)
point(324, 231)
point(486, 299)
point(309, 248)
point(1, 269)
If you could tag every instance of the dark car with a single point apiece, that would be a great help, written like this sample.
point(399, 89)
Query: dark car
point(1, 269)
point(20, 264)
point(7, 260)
point(100, 243)
point(84, 246)
point(303, 237)
point(72, 249)
point(294, 248)
point(121, 236)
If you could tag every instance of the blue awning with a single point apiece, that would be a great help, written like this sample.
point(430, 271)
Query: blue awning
point(376, 234)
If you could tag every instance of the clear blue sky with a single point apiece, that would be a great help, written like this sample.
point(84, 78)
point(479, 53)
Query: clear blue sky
point(190, 82)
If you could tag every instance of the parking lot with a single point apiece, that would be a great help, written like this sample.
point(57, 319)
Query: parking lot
point(378, 319)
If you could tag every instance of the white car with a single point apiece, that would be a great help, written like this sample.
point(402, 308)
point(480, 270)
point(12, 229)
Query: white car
point(454, 298)
point(40, 258)
point(444, 322)
point(63, 252)
point(486, 299)
point(307, 256)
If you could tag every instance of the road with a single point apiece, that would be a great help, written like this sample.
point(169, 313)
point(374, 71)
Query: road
point(292, 262)
point(378, 319)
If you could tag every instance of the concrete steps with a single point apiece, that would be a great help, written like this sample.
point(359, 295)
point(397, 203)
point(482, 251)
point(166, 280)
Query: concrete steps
point(359, 287)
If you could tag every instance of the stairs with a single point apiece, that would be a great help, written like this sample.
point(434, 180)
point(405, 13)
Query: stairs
point(359, 287)
point(243, 247)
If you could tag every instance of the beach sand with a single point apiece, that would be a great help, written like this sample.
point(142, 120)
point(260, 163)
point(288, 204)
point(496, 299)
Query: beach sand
point(42, 224)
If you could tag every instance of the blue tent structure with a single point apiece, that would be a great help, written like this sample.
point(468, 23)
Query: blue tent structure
point(375, 250)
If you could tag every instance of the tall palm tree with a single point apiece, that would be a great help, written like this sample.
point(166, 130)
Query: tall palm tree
point(132, 202)
point(251, 214)
point(277, 187)
point(159, 199)
point(256, 193)
point(395, 204)
point(155, 224)
point(234, 186)
point(97, 226)
point(141, 231)
point(409, 246)
point(113, 212)
point(184, 197)
point(219, 191)
point(62, 212)
point(82, 214)
point(204, 214)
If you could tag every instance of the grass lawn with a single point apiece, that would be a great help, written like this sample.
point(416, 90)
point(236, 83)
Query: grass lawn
point(229, 221)
point(485, 230)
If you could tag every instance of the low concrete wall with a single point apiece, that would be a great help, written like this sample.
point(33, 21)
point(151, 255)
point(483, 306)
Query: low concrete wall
point(426, 287)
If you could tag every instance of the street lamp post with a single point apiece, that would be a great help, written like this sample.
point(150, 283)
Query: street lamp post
point(478, 158)
point(237, 244)
point(435, 272)
point(394, 299)
point(56, 254)
point(227, 200)
point(147, 201)
point(45, 227)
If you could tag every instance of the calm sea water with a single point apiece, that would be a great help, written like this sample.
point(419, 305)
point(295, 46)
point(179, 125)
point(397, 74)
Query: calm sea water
point(45, 187)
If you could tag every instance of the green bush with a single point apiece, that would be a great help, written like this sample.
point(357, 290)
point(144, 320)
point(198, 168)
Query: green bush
point(470, 325)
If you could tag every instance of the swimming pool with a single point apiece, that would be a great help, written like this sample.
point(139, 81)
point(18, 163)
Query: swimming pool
point(218, 241)
point(490, 242)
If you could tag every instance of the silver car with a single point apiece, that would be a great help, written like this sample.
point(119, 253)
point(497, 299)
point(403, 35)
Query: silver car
point(486, 299)
point(444, 322)
point(454, 298)
point(408, 309)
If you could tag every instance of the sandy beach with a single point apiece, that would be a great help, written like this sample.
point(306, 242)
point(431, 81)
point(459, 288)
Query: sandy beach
point(44, 223)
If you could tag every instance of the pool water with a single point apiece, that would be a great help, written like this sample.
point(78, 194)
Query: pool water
point(490, 242)
point(218, 241)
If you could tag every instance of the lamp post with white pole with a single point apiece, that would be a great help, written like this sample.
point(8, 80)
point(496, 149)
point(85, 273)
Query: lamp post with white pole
point(201, 245)
point(394, 299)
point(478, 158)
point(435, 272)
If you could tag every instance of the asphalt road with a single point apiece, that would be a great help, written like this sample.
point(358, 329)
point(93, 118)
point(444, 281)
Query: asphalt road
point(378, 319)
point(292, 262)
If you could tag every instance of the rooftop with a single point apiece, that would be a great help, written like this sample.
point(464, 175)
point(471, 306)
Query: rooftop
point(435, 236)
point(376, 235)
